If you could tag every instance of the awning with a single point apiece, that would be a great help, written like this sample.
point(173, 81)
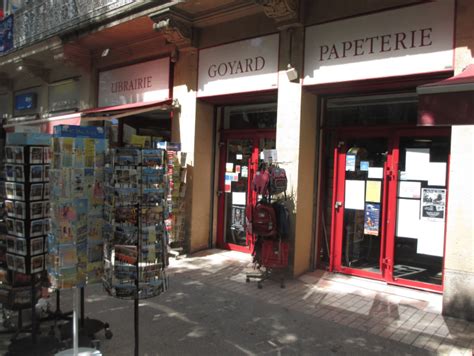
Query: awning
point(120, 111)
point(449, 101)
point(45, 125)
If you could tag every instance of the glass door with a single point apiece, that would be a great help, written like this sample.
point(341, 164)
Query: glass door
point(420, 197)
point(390, 206)
point(240, 155)
point(360, 205)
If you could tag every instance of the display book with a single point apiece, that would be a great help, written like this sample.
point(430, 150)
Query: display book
point(135, 210)
point(27, 159)
point(75, 245)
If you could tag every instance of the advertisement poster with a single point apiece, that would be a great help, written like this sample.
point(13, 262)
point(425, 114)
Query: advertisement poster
point(433, 204)
point(372, 219)
point(350, 163)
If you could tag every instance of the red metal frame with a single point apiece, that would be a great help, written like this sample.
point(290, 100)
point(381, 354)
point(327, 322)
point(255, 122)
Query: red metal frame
point(255, 136)
point(389, 203)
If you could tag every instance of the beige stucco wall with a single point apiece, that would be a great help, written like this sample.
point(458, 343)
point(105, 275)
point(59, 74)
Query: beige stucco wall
point(458, 298)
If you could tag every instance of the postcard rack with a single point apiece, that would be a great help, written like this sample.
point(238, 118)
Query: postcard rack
point(75, 245)
point(135, 236)
point(27, 163)
point(135, 210)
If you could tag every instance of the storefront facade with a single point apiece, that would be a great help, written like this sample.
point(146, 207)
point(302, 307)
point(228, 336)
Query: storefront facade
point(374, 190)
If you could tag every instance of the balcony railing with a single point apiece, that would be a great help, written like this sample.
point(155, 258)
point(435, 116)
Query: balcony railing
point(46, 18)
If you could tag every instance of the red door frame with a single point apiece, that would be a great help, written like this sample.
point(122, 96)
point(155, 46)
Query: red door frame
point(255, 136)
point(389, 202)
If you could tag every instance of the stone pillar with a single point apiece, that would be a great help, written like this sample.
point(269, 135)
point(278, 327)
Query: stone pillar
point(458, 297)
point(296, 139)
point(192, 126)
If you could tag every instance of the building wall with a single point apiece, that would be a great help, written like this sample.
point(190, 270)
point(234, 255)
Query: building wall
point(458, 298)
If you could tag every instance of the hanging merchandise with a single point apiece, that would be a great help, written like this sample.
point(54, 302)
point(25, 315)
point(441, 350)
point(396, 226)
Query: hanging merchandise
point(135, 212)
point(77, 174)
point(27, 160)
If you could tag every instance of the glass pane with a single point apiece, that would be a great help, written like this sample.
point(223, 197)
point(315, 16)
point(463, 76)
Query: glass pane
point(262, 116)
point(421, 210)
point(365, 161)
point(371, 110)
point(239, 152)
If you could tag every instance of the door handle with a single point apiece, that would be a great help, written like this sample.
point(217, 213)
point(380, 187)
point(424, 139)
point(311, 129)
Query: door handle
point(219, 193)
point(338, 204)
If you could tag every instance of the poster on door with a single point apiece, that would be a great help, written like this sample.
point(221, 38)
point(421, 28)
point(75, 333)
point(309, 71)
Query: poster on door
point(433, 204)
point(372, 219)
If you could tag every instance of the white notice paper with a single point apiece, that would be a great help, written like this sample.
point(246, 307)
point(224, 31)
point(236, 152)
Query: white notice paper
point(375, 172)
point(355, 194)
point(408, 219)
point(409, 190)
point(437, 174)
point(431, 242)
point(417, 161)
point(238, 198)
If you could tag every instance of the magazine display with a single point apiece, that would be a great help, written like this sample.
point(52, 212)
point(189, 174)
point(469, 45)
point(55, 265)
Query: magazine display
point(134, 233)
point(77, 199)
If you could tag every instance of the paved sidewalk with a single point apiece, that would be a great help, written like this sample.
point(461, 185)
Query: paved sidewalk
point(209, 309)
point(400, 314)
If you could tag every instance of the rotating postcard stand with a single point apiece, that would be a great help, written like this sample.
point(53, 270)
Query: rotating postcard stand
point(135, 235)
point(75, 245)
point(27, 163)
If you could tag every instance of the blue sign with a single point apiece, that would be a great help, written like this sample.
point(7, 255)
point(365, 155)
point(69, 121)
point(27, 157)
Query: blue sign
point(6, 34)
point(25, 101)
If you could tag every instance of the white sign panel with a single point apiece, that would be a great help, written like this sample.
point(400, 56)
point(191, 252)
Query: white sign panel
point(355, 194)
point(408, 40)
point(143, 82)
point(244, 66)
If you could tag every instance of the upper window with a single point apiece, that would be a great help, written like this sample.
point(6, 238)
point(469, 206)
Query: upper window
point(261, 116)
point(371, 110)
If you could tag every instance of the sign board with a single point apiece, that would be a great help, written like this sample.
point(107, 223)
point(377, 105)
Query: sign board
point(244, 66)
point(143, 82)
point(409, 40)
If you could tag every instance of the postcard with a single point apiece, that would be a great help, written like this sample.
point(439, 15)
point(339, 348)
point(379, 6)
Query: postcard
point(20, 264)
point(9, 154)
point(36, 192)
point(47, 155)
point(10, 208)
point(10, 172)
point(10, 261)
point(20, 210)
point(18, 154)
point(19, 191)
point(21, 246)
point(36, 155)
point(37, 245)
point(36, 228)
point(46, 173)
point(36, 173)
point(10, 190)
point(20, 228)
point(37, 264)
point(19, 173)
point(11, 244)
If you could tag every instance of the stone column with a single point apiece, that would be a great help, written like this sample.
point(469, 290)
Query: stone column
point(296, 140)
point(458, 297)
